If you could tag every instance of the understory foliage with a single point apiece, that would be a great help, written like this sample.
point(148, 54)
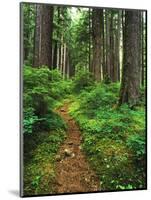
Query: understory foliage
point(39, 156)
point(113, 137)
point(43, 128)
point(41, 95)
point(82, 80)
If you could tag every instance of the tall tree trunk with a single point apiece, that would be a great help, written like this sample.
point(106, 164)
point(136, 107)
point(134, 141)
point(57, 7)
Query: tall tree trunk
point(122, 41)
point(104, 68)
point(58, 56)
point(142, 50)
point(141, 46)
point(108, 43)
point(117, 38)
point(144, 61)
point(27, 36)
point(37, 36)
point(67, 64)
point(43, 36)
point(102, 43)
point(61, 55)
point(112, 48)
point(55, 56)
point(145, 48)
point(64, 61)
point(90, 39)
point(130, 85)
point(96, 38)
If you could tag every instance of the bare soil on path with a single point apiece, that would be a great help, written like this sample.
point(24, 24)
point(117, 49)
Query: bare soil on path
point(73, 172)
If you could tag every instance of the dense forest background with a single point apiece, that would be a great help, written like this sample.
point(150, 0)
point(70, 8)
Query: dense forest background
point(93, 60)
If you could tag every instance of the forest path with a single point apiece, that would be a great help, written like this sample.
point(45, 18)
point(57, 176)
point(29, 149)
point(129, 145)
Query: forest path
point(73, 172)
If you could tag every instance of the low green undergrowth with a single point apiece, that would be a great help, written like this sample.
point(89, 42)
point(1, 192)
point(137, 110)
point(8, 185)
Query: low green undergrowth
point(113, 137)
point(43, 91)
point(39, 153)
point(43, 128)
point(83, 79)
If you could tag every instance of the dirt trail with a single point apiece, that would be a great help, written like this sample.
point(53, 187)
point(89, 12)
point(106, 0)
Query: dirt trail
point(73, 173)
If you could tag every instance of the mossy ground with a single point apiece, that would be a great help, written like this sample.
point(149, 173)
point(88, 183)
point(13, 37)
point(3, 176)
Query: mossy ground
point(39, 161)
point(113, 137)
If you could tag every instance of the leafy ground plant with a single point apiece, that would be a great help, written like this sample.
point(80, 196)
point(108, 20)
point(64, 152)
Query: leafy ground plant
point(39, 158)
point(113, 137)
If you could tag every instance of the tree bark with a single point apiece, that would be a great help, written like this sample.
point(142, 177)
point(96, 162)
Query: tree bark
point(143, 26)
point(108, 44)
point(61, 55)
point(43, 36)
point(27, 36)
point(58, 56)
point(96, 38)
point(130, 85)
point(64, 61)
point(104, 68)
point(90, 39)
point(118, 42)
point(145, 49)
point(55, 55)
point(112, 48)
point(141, 46)
point(117, 38)
point(37, 37)
point(57, 43)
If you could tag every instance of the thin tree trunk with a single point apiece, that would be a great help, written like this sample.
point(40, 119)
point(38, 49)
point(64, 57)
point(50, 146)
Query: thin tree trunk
point(61, 55)
point(117, 48)
point(119, 42)
point(58, 56)
point(64, 62)
point(37, 45)
point(96, 37)
point(55, 56)
point(90, 39)
point(145, 48)
point(104, 69)
point(122, 44)
point(57, 42)
point(108, 43)
point(143, 33)
point(111, 49)
point(27, 35)
point(68, 66)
